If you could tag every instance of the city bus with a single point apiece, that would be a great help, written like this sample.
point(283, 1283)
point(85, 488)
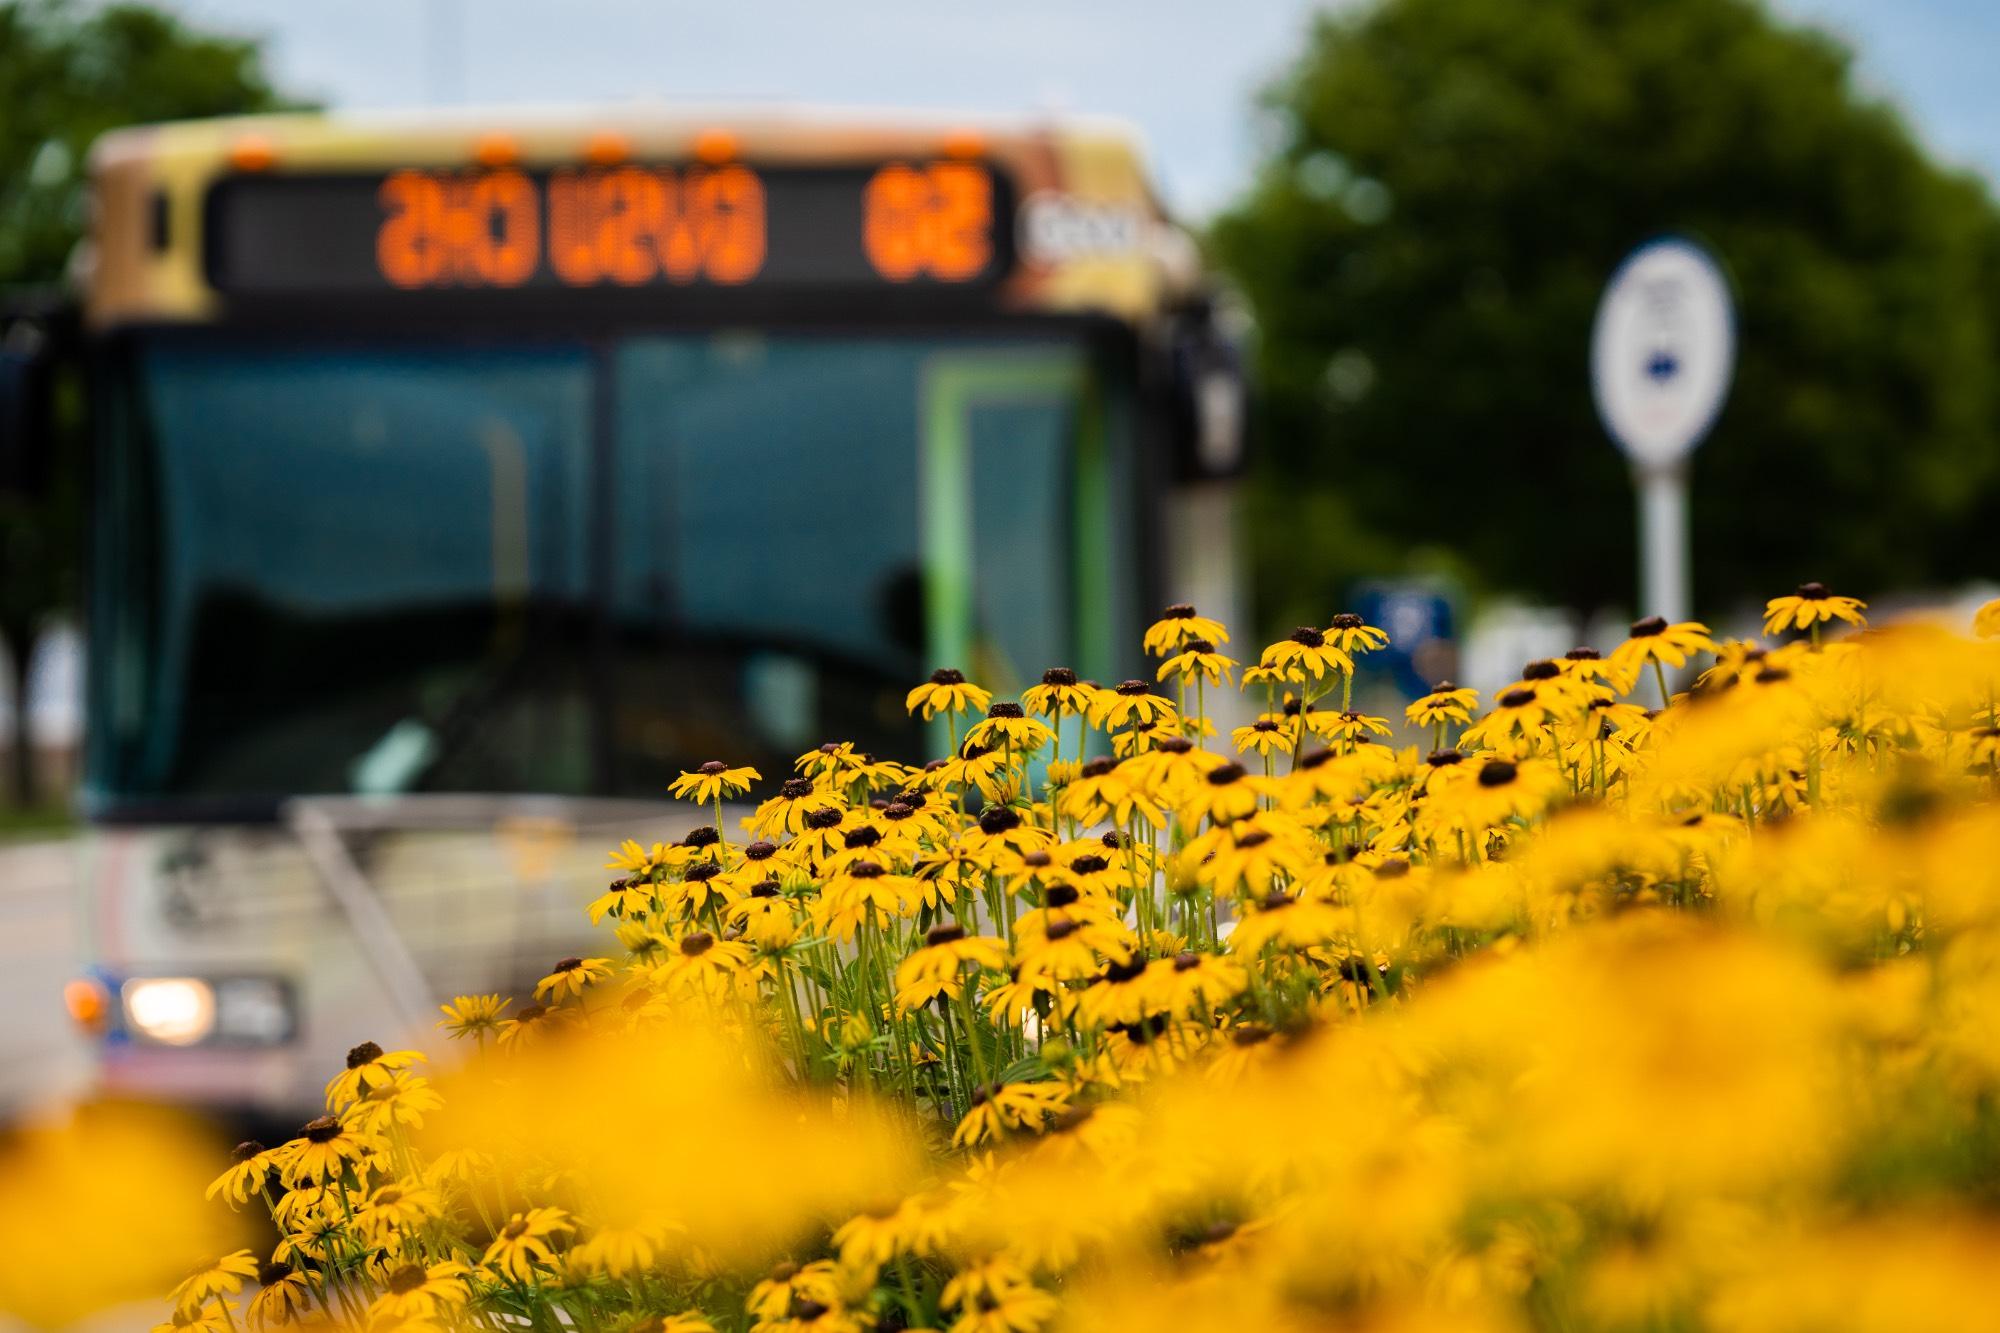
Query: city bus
point(459, 480)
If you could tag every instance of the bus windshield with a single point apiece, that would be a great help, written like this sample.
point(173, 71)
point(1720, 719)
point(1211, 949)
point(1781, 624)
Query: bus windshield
point(577, 567)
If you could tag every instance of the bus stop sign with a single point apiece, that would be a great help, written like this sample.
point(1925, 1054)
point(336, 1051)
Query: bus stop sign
point(1662, 351)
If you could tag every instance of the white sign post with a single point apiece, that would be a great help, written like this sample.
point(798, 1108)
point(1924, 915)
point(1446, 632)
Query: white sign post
point(1661, 356)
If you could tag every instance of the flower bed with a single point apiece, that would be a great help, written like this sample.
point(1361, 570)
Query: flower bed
point(1586, 1014)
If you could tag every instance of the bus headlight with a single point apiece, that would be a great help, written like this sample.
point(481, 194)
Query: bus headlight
point(174, 1011)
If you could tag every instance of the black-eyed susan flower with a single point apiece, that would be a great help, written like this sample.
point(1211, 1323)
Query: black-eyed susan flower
point(1131, 704)
point(643, 862)
point(570, 978)
point(251, 1165)
point(1495, 790)
point(1177, 625)
point(619, 1251)
point(1348, 727)
point(999, 1107)
point(214, 1317)
point(786, 812)
point(701, 962)
point(1446, 703)
point(368, 1066)
point(947, 691)
point(526, 1243)
point(1007, 727)
point(947, 950)
point(399, 1105)
point(283, 1297)
point(223, 1276)
point(1104, 793)
point(1303, 656)
point(1654, 641)
point(476, 1016)
point(711, 782)
point(1268, 736)
point(1060, 694)
point(396, 1208)
point(424, 1291)
point(1813, 605)
point(1281, 920)
point(1197, 661)
point(328, 1149)
point(1351, 634)
point(1224, 793)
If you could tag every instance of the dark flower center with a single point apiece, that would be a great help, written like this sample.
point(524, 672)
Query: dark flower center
point(1315, 758)
point(1186, 961)
point(1178, 611)
point(703, 836)
point(515, 1229)
point(1037, 859)
point(1113, 839)
point(1263, 724)
point(1517, 698)
point(1814, 592)
point(1256, 837)
point(1060, 895)
point(1543, 670)
point(1308, 636)
point(1198, 646)
point(1582, 655)
point(323, 1130)
point(897, 810)
point(862, 837)
point(1250, 1034)
point(246, 1150)
point(764, 888)
point(1393, 868)
point(1059, 676)
point(697, 944)
point(531, 1014)
point(1175, 745)
point(760, 850)
point(1224, 774)
point(1098, 767)
point(1497, 773)
point(367, 1053)
point(866, 870)
point(944, 932)
point(793, 788)
point(568, 964)
point(702, 871)
point(1348, 620)
point(1443, 758)
point(1088, 865)
point(1133, 688)
point(1443, 687)
point(947, 676)
point(1276, 899)
point(274, 1272)
point(1062, 929)
point(714, 768)
point(1766, 675)
point(822, 817)
point(1647, 628)
point(1120, 973)
point(1005, 710)
point(995, 819)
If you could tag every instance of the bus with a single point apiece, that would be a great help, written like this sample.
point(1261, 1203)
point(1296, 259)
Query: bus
point(459, 480)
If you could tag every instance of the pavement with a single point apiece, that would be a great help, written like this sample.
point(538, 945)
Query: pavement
point(42, 1056)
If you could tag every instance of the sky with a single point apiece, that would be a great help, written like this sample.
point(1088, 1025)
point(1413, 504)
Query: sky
point(1184, 71)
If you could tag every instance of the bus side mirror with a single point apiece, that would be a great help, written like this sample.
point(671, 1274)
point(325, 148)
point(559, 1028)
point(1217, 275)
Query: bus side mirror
point(27, 361)
point(1211, 402)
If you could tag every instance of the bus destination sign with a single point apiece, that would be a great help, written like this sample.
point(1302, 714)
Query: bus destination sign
point(924, 224)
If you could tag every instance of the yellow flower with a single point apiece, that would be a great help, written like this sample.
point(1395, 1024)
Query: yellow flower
point(1132, 703)
point(1007, 726)
point(1986, 620)
point(1177, 625)
point(1059, 693)
point(1350, 634)
point(218, 1277)
point(711, 782)
point(1445, 703)
point(417, 1291)
point(526, 1243)
point(570, 977)
point(1268, 735)
point(395, 1208)
point(474, 1015)
point(1304, 655)
point(1654, 640)
point(1197, 660)
point(368, 1066)
point(1811, 605)
point(328, 1149)
point(252, 1164)
point(935, 967)
point(285, 1296)
point(947, 691)
point(998, 1107)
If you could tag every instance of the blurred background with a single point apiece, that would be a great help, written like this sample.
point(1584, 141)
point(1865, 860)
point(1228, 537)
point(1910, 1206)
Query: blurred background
point(1402, 214)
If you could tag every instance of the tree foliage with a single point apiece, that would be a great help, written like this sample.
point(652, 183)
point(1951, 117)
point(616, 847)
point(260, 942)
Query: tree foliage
point(1449, 188)
point(68, 74)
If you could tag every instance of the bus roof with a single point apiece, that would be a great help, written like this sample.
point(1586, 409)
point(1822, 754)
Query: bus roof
point(1084, 230)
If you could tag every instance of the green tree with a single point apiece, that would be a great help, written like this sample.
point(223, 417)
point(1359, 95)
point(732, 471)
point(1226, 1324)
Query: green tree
point(67, 74)
point(1451, 184)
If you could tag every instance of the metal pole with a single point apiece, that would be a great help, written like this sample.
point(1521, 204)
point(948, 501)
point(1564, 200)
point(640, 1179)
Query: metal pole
point(1663, 543)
